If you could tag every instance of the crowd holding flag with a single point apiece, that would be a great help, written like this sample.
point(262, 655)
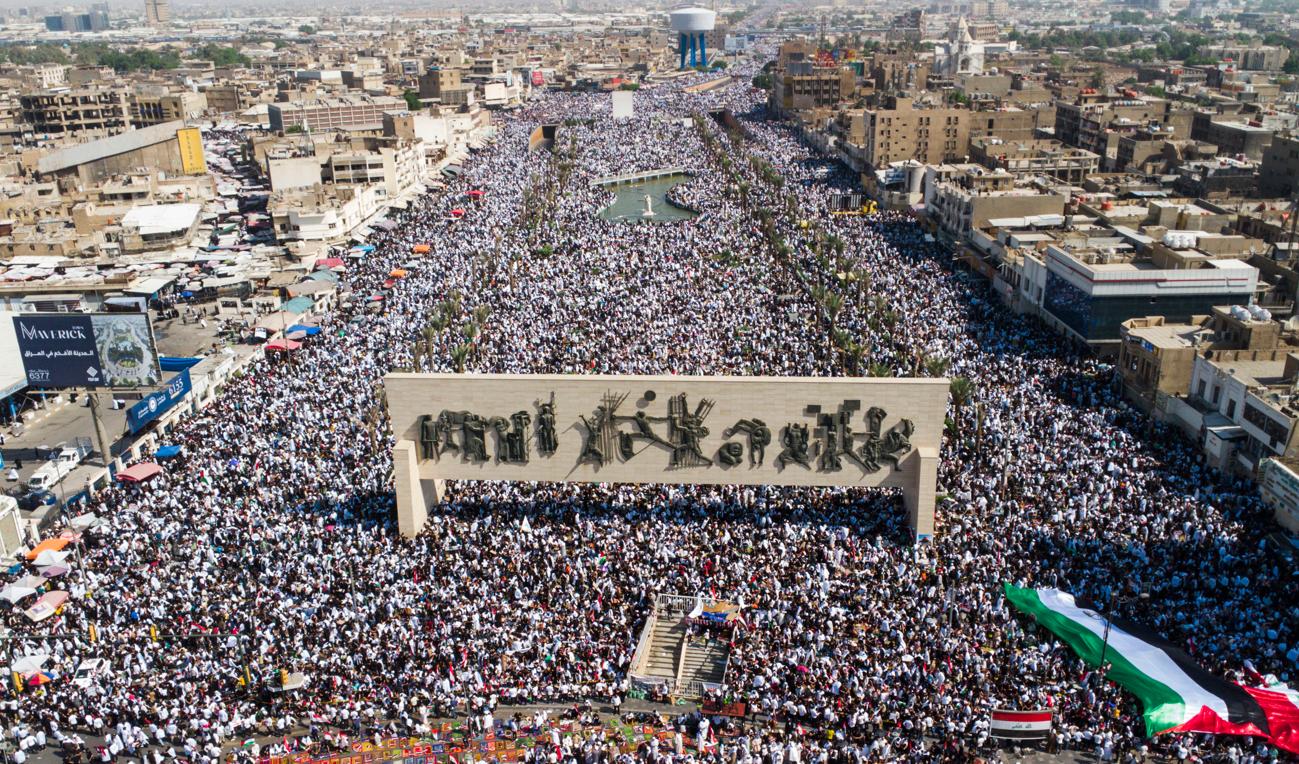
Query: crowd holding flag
point(1176, 694)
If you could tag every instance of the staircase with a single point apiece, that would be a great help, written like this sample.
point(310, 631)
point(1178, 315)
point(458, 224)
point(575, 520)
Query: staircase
point(664, 646)
point(703, 663)
point(664, 657)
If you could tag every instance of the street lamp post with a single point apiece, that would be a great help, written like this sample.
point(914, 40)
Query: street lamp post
point(1108, 615)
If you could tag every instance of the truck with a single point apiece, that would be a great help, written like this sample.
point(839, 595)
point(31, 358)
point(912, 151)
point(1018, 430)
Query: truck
point(70, 455)
point(46, 476)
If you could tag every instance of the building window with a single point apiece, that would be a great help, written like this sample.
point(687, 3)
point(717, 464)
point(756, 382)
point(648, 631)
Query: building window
point(1231, 409)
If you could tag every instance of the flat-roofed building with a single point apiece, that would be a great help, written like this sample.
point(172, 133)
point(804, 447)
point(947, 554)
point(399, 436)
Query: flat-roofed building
point(156, 147)
point(350, 112)
point(76, 113)
point(1031, 158)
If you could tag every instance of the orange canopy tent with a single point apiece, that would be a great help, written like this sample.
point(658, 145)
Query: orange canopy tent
point(54, 545)
point(397, 273)
point(421, 249)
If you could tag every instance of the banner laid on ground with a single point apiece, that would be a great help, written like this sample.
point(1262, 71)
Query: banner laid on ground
point(1176, 694)
point(1020, 725)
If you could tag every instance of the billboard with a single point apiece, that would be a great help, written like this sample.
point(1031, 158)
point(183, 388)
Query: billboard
point(190, 141)
point(114, 350)
point(156, 404)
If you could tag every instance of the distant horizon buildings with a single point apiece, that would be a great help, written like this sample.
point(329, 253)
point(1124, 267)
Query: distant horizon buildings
point(95, 20)
point(157, 12)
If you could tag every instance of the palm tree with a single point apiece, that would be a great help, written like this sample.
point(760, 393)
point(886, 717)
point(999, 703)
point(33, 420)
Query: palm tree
point(962, 392)
point(429, 334)
point(879, 370)
point(481, 313)
point(855, 352)
point(458, 355)
point(935, 366)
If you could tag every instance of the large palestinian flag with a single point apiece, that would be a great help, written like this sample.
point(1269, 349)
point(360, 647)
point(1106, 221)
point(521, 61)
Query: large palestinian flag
point(1175, 693)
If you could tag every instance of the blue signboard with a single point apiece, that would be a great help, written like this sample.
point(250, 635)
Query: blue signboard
point(156, 404)
point(58, 350)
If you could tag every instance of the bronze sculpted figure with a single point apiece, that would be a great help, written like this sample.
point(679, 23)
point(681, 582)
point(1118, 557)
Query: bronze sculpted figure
point(794, 440)
point(897, 442)
point(475, 438)
point(759, 438)
point(547, 442)
point(686, 429)
point(730, 454)
point(430, 433)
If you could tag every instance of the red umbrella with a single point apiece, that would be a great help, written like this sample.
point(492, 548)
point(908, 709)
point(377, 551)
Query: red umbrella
point(475, 194)
point(457, 213)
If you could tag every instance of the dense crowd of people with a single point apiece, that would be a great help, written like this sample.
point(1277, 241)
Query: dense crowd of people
point(271, 543)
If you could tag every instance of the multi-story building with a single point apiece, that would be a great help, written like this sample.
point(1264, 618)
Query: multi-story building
point(899, 130)
point(802, 86)
point(1279, 171)
point(1096, 122)
point(1232, 136)
point(1011, 123)
point(156, 105)
point(352, 112)
point(395, 167)
point(94, 21)
point(1035, 158)
point(437, 82)
point(1089, 292)
point(1157, 356)
point(80, 112)
point(971, 195)
point(1257, 57)
point(908, 27)
point(157, 13)
point(1217, 178)
point(323, 213)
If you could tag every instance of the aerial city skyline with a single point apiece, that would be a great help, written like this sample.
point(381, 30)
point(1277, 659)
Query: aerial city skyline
point(718, 383)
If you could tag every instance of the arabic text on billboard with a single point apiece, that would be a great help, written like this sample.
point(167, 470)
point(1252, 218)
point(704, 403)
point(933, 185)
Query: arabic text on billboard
point(156, 404)
point(87, 350)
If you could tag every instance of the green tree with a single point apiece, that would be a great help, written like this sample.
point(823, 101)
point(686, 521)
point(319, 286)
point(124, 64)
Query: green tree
point(306, 29)
point(412, 100)
point(962, 392)
point(762, 81)
point(222, 56)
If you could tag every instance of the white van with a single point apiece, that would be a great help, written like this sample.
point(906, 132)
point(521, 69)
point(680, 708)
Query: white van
point(44, 477)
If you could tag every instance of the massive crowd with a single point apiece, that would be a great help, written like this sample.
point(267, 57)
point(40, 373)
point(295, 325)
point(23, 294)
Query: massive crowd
point(271, 542)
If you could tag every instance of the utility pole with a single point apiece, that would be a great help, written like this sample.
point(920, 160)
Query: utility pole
point(101, 435)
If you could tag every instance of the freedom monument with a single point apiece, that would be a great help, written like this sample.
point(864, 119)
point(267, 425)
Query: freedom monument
point(800, 431)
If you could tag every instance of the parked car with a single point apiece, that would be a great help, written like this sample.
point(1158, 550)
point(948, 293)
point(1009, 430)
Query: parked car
point(36, 498)
point(90, 670)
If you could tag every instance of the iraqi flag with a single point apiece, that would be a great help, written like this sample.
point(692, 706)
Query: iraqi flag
point(1020, 725)
point(1176, 694)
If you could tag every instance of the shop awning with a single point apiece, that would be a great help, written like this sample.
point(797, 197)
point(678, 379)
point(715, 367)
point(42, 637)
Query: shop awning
point(139, 472)
point(329, 262)
point(310, 331)
point(55, 545)
point(167, 452)
point(283, 344)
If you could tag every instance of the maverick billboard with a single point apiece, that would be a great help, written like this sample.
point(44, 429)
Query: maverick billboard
point(109, 350)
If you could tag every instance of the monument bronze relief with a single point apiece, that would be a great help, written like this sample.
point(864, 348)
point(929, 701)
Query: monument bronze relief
point(608, 434)
point(547, 442)
point(759, 438)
